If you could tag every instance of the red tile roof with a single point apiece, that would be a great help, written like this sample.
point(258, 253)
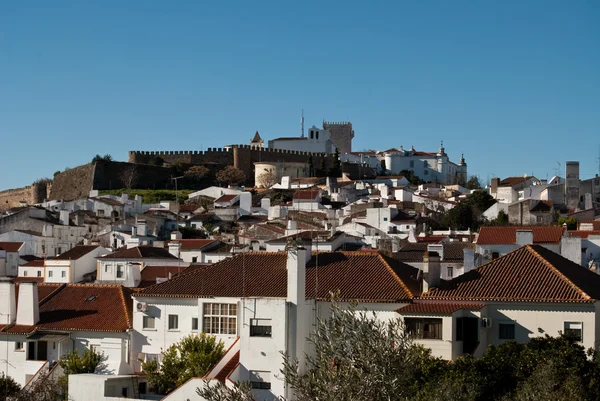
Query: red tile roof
point(149, 274)
point(83, 307)
point(228, 368)
point(508, 235)
point(531, 273)
point(307, 195)
point(76, 252)
point(11, 246)
point(193, 243)
point(357, 275)
point(34, 263)
point(140, 252)
point(437, 308)
point(226, 198)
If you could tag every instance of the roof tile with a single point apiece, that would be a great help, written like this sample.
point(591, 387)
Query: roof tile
point(508, 235)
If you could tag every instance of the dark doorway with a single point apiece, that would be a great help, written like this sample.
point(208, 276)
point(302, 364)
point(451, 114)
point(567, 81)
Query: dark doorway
point(42, 353)
point(470, 334)
point(31, 351)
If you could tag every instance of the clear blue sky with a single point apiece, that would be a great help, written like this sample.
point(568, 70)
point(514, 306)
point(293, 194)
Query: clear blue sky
point(515, 85)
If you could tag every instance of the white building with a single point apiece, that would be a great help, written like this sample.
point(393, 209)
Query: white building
point(494, 241)
point(309, 199)
point(265, 304)
point(316, 141)
point(53, 240)
point(9, 257)
point(192, 250)
point(125, 265)
point(527, 293)
point(52, 319)
point(74, 265)
point(267, 174)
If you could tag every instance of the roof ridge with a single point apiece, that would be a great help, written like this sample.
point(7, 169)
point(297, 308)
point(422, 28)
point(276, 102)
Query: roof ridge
point(398, 279)
point(51, 295)
point(124, 304)
point(558, 272)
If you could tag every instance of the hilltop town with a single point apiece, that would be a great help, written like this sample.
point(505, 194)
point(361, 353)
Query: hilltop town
point(249, 242)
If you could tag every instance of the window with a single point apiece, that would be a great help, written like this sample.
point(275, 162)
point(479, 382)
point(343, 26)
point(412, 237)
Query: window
point(219, 318)
point(39, 273)
point(19, 346)
point(107, 269)
point(260, 380)
point(63, 274)
point(506, 331)
point(195, 259)
point(119, 271)
point(574, 329)
point(194, 324)
point(424, 328)
point(49, 273)
point(148, 322)
point(425, 164)
point(449, 272)
point(24, 273)
point(173, 322)
point(260, 327)
point(316, 137)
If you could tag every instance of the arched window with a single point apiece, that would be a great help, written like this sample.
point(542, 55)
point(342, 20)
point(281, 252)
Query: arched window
point(317, 134)
point(312, 134)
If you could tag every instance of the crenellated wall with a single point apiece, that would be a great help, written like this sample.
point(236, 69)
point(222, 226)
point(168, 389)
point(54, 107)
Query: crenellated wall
point(32, 194)
point(239, 156)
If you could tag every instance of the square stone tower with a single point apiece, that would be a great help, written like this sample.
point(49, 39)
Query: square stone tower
point(341, 135)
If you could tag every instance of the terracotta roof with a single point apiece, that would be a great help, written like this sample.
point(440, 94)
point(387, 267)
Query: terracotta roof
point(108, 201)
point(84, 307)
point(583, 233)
point(228, 368)
point(456, 250)
point(310, 194)
point(76, 252)
point(139, 252)
point(34, 263)
point(11, 246)
point(437, 308)
point(29, 279)
point(226, 198)
point(542, 206)
point(188, 208)
point(510, 181)
point(193, 243)
point(411, 252)
point(149, 274)
point(508, 235)
point(419, 153)
point(44, 290)
point(531, 273)
point(357, 275)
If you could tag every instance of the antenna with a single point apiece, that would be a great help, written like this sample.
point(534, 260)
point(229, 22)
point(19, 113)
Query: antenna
point(302, 124)
point(557, 169)
point(598, 159)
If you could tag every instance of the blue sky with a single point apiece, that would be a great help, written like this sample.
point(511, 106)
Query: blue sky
point(515, 85)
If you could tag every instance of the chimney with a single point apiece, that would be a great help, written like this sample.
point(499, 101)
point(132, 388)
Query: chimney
point(494, 185)
point(28, 310)
point(133, 276)
point(124, 198)
point(570, 248)
point(297, 258)
point(141, 227)
point(175, 235)
point(437, 248)
point(79, 219)
point(134, 231)
point(291, 225)
point(524, 237)
point(175, 248)
point(265, 203)
point(8, 301)
point(469, 259)
point(64, 217)
point(431, 271)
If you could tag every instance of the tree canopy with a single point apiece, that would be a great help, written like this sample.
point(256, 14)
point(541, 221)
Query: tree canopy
point(107, 158)
point(196, 173)
point(231, 176)
point(193, 356)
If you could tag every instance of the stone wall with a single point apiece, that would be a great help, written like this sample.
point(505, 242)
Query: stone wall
point(341, 135)
point(32, 194)
point(73, 183)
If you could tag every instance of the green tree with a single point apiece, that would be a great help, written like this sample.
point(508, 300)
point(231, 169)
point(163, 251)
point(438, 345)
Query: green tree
point(193, 356)
point(311, 166)
point(106, 157)
point(87, 362)
point(460, 217)
point(411, 177)
point(8, 387)
point(231, 176)
point(335, 170)
point(473, 183)
point(481, 201)
point(383, 167)
point(569, 221)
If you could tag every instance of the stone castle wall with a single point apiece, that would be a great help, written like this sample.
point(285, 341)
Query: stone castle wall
point(239, 156)
point(32, 194)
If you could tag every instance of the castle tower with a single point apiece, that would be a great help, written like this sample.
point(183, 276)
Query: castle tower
point(572, 185)
point(257, 142)
point(341, 135)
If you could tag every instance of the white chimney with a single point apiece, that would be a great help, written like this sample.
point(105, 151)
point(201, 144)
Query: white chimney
point(291, 225)
point(176, 235)
point(141, 228)
point(28, 310)
point(134, 231)
point(297, 258)
point(8, 301)
point(431, 271)
point(124, 198)
point(524, 237)
point(175, 248)
point(245, 203)
point(133, 275)
point(265, 203)
point(570, 248)
point(64, 217)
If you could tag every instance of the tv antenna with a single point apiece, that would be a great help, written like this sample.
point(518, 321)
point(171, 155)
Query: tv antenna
point(302, 124)
point(557, 169)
